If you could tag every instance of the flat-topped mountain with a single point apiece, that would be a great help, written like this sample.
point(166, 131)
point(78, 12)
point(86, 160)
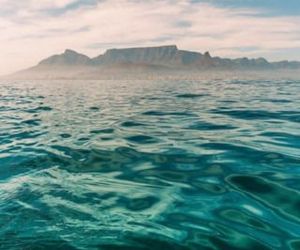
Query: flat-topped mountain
point(151, 55)
point(168, 56)
point(146, 60)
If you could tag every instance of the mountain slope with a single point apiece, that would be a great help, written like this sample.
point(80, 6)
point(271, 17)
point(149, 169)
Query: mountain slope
point(148, 60)
point(69, 57)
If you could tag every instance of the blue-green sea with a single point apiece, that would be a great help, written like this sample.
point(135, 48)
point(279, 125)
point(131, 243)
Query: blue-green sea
point(154, 164)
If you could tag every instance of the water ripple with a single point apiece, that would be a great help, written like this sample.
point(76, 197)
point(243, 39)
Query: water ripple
point(150, 164)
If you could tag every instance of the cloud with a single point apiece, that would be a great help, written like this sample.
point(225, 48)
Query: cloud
point(61, 9)
point(34, 29)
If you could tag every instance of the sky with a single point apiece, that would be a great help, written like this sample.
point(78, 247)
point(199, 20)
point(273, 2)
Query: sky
point(32, 30)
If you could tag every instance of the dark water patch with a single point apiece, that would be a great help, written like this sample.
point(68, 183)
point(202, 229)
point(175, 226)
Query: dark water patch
point(210, 126)
point(138, 204)
point(159, 113)
point(190, 95)
point(291, 139)
point(94, 108)
point(39, 109)
point(65, 135)
point(293, 116)
point(102, 131)
point(106, 138)
point(153, 98)
point(278, 100)
point(228, 101)
point(142, 139)
point(5, 141)
point(284, 200)
point(32, 122)
point(7, 109)
point(179, 218)
point(83, 139)
point(132, 124)
point(248, 114)
point(259, 114)
point(294, 244)
point(27, 135)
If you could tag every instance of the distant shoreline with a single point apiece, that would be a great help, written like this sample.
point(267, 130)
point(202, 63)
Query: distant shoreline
point(149, 63)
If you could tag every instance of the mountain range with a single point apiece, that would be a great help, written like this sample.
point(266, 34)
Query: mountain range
point(147, 61)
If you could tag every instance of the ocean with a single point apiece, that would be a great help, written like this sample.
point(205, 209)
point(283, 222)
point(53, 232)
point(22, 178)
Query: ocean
point(154, 164)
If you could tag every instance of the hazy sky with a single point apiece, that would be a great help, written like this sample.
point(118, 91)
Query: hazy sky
point(34, 29)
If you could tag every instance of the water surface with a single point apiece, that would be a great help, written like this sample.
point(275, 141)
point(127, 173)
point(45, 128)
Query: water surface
point(212, 164)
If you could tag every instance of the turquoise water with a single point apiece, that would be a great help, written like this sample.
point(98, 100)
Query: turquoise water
point(212, 164)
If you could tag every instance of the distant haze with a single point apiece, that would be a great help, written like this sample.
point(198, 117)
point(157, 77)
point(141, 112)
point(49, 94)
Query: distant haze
point(162, 62)
point(34, 29)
